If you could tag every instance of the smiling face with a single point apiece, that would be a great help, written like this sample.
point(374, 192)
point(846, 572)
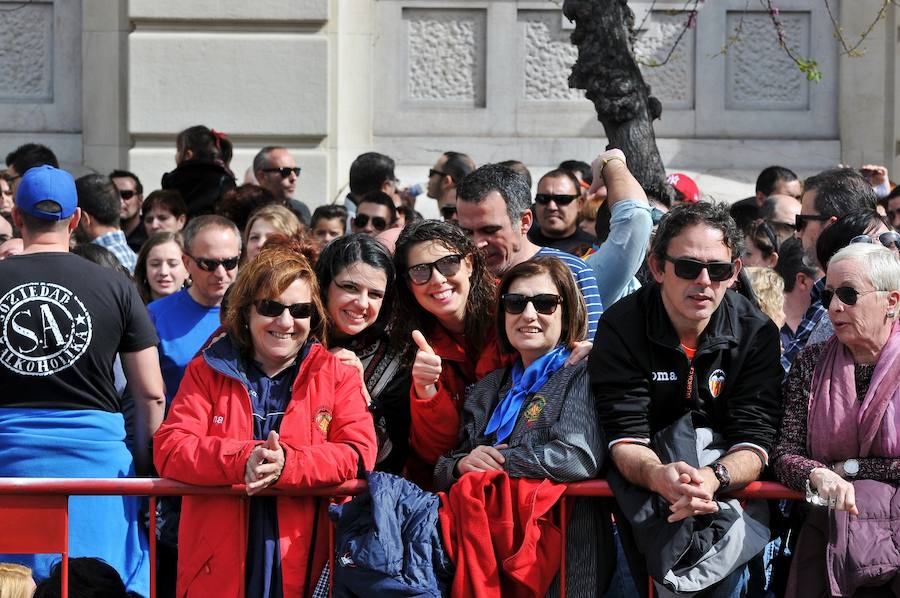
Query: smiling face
point(444, 297)
point(690, 303)
point(557, 220)
point(354, 298)
point(259, 232)
point(277, 340)
point(165, 270)
point(530, 333)
point(487, 223)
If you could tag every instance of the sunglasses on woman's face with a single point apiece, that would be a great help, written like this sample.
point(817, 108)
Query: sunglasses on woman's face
point(890, 239)
point(447, 266)
point(847, 295)
point(378, 223)
point(273, 309)
point(545, 303)
point(689, 269)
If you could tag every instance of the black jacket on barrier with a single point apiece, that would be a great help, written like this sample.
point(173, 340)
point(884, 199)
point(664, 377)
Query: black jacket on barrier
point(643, 381)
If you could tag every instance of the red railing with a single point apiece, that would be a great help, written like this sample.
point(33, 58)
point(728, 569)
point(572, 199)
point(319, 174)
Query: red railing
point(34, 511)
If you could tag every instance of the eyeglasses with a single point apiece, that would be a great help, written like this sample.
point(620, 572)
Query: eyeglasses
point(284, 171)
point(847, 295)
point(378, 223)
point(447, 266)
point(560, 200)
point(210, 265)
point(545, 303)
point(432, 172)
point(273, 309)
point(888, 238)
point(448, 212)
point(127, 193)
point(801, 220)
point(689, 269)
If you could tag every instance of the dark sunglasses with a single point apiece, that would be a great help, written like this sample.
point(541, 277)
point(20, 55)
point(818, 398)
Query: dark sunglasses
point(448, 212)
point(801, 220)
point(560, 200)
point(210, 265)
point(545, 303)
point(284, 171)
point(378, 223)
point(126, 193)
point(889, 239)
point(447, 266)
point(690, 269)
point(432, 172)
point(847, 295)
point(273, 309)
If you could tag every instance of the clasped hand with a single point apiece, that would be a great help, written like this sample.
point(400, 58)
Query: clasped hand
point(689, 491)
point(264, 465)
point(482, 458)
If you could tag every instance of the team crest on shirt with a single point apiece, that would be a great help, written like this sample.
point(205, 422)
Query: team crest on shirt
point(323, 420)
point(716, 383)
point(44, 329)
point(533, 410)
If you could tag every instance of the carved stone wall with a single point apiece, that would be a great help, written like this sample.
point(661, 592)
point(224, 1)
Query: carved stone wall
point(549, 56)
point(26, 52)
point(667, 62)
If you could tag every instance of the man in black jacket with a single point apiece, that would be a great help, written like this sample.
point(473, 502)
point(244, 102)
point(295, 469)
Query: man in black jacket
point(687, 344)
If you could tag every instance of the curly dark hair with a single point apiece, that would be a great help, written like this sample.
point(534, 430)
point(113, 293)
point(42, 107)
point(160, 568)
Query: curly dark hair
point(480, 304)
point(713, 215)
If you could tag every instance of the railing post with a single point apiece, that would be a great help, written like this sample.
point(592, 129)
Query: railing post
point(64, 568)
point(563, 528)
point(152, 509)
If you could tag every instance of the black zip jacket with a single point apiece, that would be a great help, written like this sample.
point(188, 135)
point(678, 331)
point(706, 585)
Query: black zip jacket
point(642, 380)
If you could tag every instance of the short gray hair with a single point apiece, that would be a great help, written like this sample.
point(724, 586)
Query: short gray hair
point(511, 185)
point(261, 159)
point(877, 262)
point(196, 225)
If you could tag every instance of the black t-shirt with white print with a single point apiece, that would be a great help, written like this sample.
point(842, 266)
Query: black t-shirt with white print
point(63, 319)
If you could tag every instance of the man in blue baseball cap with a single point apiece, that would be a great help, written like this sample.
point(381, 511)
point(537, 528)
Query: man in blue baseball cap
point(63, 321)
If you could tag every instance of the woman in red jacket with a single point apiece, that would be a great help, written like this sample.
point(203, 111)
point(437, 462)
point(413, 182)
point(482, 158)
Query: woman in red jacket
point(446, 306)
point(268, 406)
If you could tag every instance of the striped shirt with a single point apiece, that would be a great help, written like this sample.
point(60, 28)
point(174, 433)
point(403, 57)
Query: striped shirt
point(584, 276)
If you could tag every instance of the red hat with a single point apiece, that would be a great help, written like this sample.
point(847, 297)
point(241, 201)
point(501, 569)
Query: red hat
point(686, 185)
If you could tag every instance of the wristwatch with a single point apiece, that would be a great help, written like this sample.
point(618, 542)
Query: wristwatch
point(721, 473)
point(851, 468)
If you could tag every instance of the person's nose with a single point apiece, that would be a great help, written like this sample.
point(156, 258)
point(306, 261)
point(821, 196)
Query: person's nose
point(703, 278)
point(362, 299)
point(529, 313)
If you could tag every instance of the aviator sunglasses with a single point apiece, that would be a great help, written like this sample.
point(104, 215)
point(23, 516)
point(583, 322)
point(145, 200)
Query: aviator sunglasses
point(273, 309)
point(545, 303)
point(210, 265)
point(890, 239)
point(378, 223)
point(847, 295)
point(689, 269)
point(447, 266)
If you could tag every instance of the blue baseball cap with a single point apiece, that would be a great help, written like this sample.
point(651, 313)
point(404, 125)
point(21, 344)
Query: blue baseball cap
point(46, 183)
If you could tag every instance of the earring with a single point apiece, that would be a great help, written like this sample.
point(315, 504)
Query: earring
point(891, 314)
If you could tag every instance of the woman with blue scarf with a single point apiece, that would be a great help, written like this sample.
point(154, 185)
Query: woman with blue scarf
point(536, 418)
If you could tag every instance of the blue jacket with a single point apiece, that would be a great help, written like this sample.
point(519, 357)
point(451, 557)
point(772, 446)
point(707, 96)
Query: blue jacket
point(388, 543)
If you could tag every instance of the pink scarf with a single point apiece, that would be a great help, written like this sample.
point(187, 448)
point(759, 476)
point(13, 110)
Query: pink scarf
point(839, 426)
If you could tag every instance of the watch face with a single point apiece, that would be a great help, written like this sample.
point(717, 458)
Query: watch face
point(851, 467)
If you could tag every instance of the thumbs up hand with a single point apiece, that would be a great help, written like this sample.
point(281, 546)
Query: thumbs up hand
point(426, 368)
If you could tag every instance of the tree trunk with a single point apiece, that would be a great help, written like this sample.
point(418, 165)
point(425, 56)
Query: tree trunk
point(607, 71)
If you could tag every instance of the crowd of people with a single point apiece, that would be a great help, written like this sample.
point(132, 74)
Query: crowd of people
point(467, 367)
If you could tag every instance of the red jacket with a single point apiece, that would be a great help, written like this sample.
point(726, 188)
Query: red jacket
point(207, 439)
point(500, 534)
point(435, 421)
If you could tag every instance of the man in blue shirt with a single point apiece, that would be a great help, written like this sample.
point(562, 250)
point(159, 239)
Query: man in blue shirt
point(186, 319)
point(494, 209)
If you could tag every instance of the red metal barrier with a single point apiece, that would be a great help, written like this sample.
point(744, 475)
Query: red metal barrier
point(47, 498)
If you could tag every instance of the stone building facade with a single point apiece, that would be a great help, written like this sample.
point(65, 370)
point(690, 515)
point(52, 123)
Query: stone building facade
point(109, 83)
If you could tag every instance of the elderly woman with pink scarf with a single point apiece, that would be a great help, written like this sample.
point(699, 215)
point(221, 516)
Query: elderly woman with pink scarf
point(840, 436)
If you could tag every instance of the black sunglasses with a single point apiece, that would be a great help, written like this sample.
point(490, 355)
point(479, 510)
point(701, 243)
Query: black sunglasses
point(888, 239)
point(690, 269)
point(284, 171)
point(847, 295)
point(801, 220)
point(432, 172)
point(447, 266)
point(210, 265)
point(378, 222)
point(273, 309)
point(545, 303)
point(448, 212)
point(126, 193)
point(560, 200)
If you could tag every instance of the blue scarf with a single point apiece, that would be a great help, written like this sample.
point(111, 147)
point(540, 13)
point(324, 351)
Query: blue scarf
point(525, 381)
